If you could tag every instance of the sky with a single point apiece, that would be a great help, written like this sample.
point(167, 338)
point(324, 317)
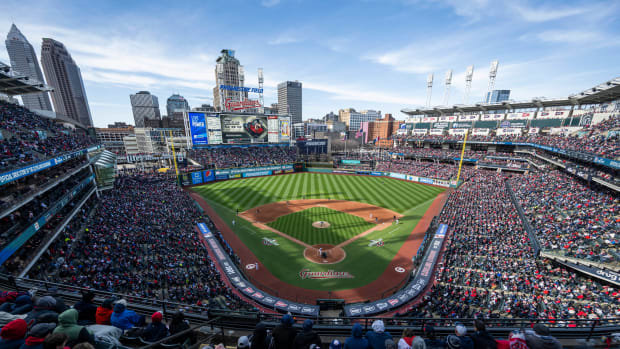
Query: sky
point(348, 54)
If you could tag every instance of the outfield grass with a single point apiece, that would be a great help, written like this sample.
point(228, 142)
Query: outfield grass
point(286, 260)
point(343, 226)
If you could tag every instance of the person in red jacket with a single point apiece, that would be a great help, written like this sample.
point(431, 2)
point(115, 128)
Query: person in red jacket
point(104, 312)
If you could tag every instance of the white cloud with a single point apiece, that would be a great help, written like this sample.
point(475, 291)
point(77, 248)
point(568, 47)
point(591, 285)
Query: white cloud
point(358, 93)
point(553, 12)
point(284, 38)
point(269, 3)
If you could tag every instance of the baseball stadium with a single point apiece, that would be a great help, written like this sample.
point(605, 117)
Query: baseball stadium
point(476, 226)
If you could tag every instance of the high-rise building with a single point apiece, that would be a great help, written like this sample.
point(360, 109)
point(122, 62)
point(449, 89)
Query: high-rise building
point(289, 100)
point(497, 96)
point(64, 76)
point(354, 119)
point(380, 128)
point(145, 108)
point(24, 60)
point(176, 103)
point(228, 71)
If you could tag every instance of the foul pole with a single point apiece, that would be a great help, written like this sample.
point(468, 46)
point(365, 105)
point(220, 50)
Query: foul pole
point(458, 175)
point(174, 155)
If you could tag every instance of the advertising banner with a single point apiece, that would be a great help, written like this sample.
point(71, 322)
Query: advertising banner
point(256, 174)
point(480, 131)
point(437, 132)
point(196, 177)
point(198, 128)
point(208, 176)
point(412, 289)
point(442, 125)
point(244, 128)
point(419, 131)
point(285, 129)
point(349, 162)
point(461, 125)
point(468, 117)
point(317, 146)
point(513, 124)
point(214, 129)
point(231, 172)
point(447, 118)
point(238, 280)
point(429, 119)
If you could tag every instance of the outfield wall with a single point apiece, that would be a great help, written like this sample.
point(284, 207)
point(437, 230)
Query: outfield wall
point(206, 176)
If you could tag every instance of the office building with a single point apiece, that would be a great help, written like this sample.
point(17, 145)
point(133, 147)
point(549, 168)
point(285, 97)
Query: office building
point(353, 119)
point(176, 103)
point(289, 100)
point(497, 96)
point(228, 71)
point(113, 137)
point(145, 108)
point(64, 76)
point(381, 128)
point(204, 108)
point(24, 61)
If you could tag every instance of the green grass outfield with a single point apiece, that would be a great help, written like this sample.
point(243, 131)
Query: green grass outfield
point(343, 226)
point(286, 260)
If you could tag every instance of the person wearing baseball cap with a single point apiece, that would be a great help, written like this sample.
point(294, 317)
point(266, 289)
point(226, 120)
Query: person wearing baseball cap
point(156, 330)
point(243, 342)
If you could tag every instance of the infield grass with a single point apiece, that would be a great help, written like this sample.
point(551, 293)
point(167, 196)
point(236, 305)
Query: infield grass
point(343, 226)
point(285, 261)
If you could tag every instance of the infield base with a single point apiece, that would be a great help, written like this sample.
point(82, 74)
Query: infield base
point(330, 254)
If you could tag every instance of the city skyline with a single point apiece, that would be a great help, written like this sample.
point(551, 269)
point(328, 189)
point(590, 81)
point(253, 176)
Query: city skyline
point(144, 46)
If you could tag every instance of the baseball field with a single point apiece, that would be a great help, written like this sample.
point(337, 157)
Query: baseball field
point(319, 231)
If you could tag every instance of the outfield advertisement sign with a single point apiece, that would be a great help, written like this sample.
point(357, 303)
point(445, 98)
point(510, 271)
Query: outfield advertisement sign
point(207, 176)
point(198, 128)
point(244, 171)
point(244, 286)
point(244, 128)
point(413, 289)
point(11, 176)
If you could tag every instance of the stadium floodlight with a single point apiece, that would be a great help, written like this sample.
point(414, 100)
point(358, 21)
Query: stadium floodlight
point(448, 81)
point(429, 89)
point(469, 75)
point(492, 75)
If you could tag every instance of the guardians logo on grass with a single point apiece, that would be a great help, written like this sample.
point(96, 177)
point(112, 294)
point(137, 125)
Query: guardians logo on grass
point(330, 274)
point(270, 242)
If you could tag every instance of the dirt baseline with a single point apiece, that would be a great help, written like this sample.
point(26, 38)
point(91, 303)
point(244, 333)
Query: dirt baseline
point(270, 212)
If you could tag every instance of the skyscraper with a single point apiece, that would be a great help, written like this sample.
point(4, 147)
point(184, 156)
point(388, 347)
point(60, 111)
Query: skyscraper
point(228, 71)
point(64, 76)
point(289, 100)
point(24, 60)
point(497, 96)
point(145, 107)
point(176, 103)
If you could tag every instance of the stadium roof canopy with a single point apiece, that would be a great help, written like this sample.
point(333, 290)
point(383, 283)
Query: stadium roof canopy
point(605, 92)
point(13, 83)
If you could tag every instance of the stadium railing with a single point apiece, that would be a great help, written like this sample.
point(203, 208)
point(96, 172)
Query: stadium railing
point(526, 224)
point(325, 326)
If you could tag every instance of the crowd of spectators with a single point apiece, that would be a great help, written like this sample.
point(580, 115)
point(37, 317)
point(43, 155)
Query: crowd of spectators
point(489, 269)
point(220, 157)
point(141, 242)
point(16, 221)
point(28, 137)
point(569, 216)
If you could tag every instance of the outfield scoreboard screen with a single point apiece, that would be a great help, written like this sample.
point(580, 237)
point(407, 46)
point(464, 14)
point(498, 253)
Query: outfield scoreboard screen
point(228, 128)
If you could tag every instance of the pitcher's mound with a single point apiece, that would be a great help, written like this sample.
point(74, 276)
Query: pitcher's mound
point(321, 224)
point(329, 254)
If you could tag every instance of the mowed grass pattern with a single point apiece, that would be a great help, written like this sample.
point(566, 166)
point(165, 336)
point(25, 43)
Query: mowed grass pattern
point(392, 194)
point(343, 226)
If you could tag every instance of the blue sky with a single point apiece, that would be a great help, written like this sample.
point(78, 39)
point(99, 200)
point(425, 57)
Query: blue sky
point(361, 54)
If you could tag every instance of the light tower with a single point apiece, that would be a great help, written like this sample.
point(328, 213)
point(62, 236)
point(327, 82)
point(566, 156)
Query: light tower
point(261, 100)
point(446, 96)
point(492, 75)
point(469, 75)
point(241, 74)
point(429, 89)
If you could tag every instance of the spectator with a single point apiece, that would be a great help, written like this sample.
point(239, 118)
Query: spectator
point(124, 318)
point(13, 334)
point(37, 335)
point(431, 340)
point(335, 344)
point(55, 341)
point(389, 344)
point(540, 338)
point(357, 340)
point(377, 336)
point(482, 339)
point(156, 330)
point(86, 309)
point(260, 339)
point(306, 337)
point(465, 341)
point(45, 305)
point(243, 342)
point(67, 324)
point(284, 333)
point(406, 340)
point(179, 324)
point(104, 312)
point(418, 343)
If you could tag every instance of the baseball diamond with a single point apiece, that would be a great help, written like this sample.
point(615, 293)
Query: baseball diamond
point(283, 208)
